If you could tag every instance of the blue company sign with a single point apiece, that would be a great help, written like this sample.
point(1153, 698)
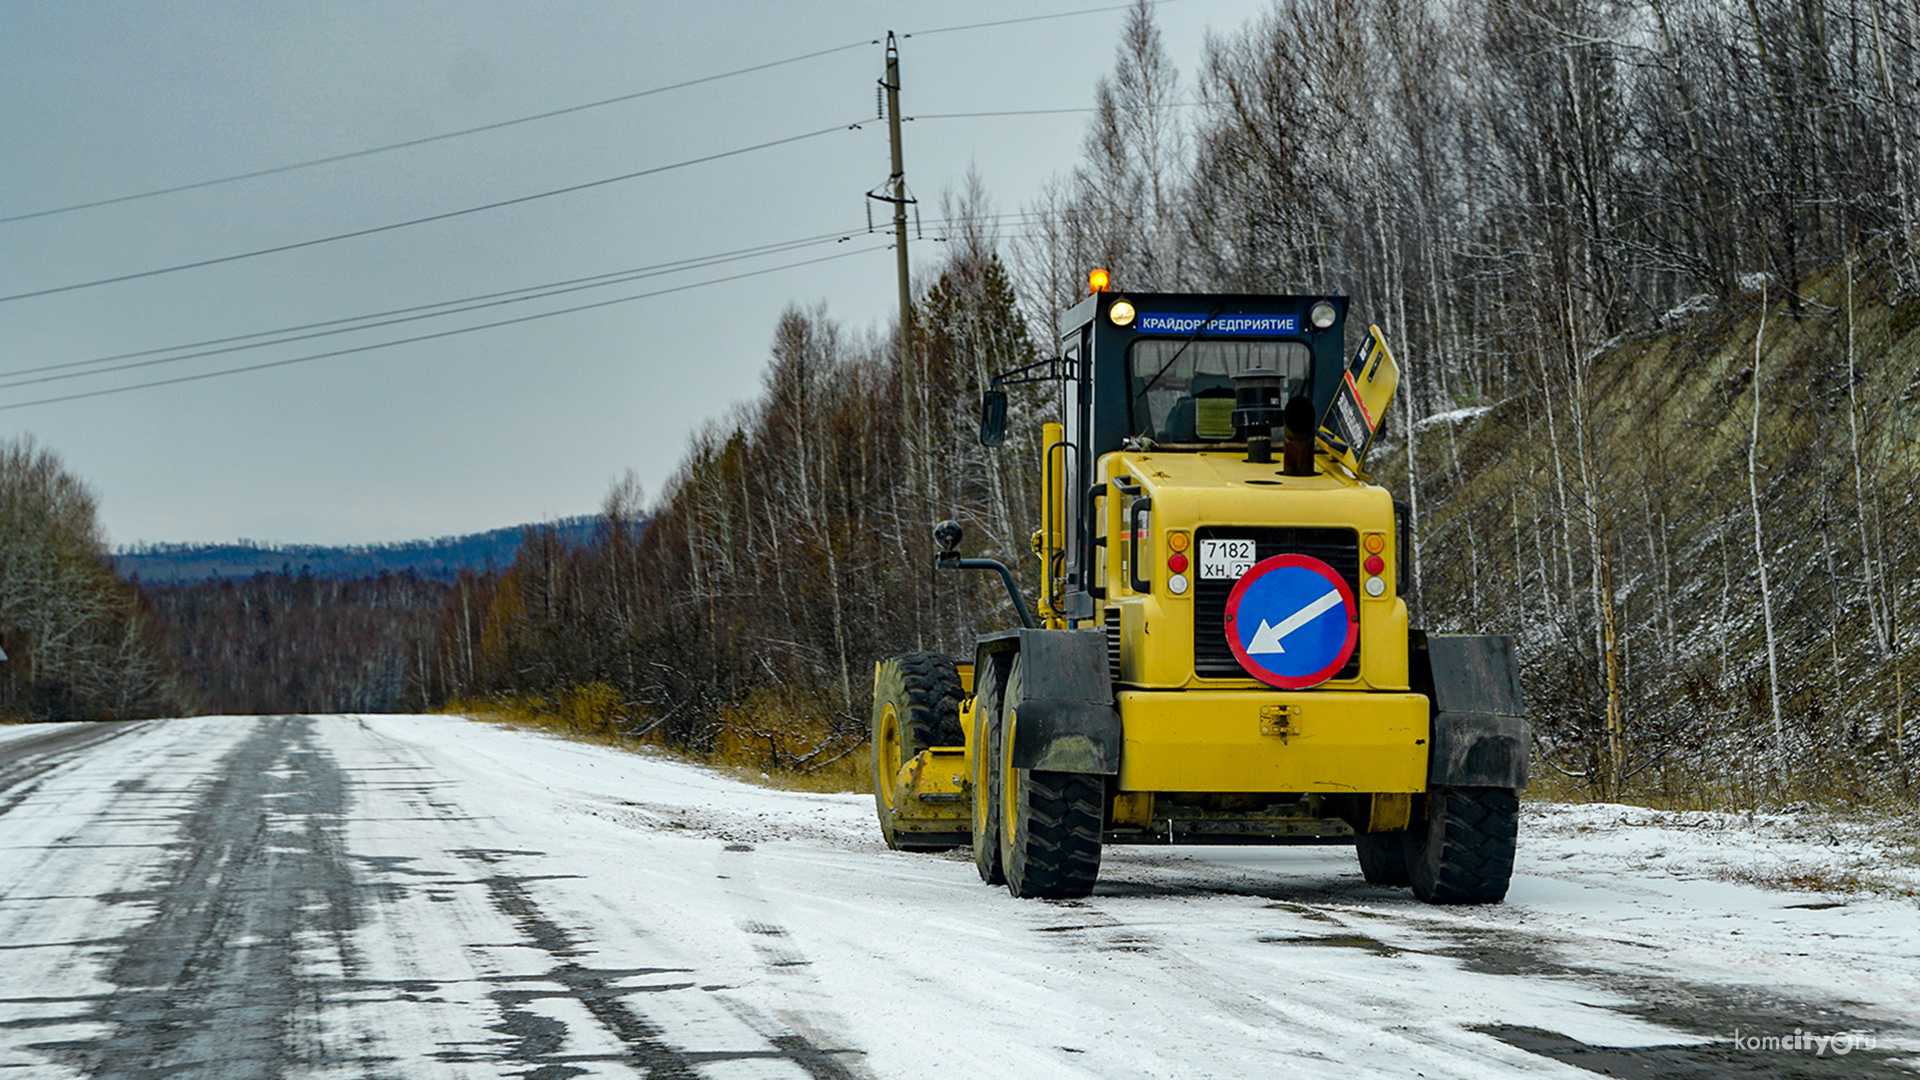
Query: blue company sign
point(1291, 621)
point(1161, 322)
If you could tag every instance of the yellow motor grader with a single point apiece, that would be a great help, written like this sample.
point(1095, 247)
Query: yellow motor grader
point(1220, 653)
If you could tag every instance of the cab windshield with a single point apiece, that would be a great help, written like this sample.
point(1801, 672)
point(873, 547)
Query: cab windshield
point(1187, 396)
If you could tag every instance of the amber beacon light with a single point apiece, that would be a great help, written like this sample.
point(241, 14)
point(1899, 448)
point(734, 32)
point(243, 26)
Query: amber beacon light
point(1097, 281)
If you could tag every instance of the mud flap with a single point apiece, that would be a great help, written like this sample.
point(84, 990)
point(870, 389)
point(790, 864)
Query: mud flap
point(1066, 721)
point(1481, 737)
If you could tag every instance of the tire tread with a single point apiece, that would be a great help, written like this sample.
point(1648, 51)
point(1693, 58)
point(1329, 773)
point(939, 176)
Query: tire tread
point(1466, 856)
point(990, 686)
point(933, 696)
point(1383, 858)
point(1064, 814)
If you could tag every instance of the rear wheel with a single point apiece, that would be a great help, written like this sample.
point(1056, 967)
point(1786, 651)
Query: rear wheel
point(1464, 853)
point(1050, 821)
point(1383, 858)
point(916, 704)
point(986, 777)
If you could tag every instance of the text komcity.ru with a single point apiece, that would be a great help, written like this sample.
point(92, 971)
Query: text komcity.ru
point(1840, 1042)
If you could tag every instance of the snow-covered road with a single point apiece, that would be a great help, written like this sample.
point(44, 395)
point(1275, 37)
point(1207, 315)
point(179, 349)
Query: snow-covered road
point(430, 897)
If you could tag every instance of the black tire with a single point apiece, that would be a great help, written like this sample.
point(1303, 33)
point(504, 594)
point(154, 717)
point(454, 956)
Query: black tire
point(1050, 821)
point(916, 704)
point(1383, 858)
point(1464, 853)
point(986, 778)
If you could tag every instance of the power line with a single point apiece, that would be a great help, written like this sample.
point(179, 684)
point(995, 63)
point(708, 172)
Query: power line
point(431, 217)
point(550, 288)
point(1031, 112)
point(1005, 112)
point(429, 337)
point(459, 305)
point(517, 296)
point(424, 140)
point(1028, 19)
point(369, 151)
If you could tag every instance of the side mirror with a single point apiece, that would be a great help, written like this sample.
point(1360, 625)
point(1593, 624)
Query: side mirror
point(993, 418)
point(947, 534)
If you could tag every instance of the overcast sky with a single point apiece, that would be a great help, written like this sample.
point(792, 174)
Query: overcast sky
point(500, 426)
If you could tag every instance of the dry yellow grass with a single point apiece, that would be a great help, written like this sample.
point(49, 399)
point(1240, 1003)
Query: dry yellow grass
point(1823, 880)
point(757, 744)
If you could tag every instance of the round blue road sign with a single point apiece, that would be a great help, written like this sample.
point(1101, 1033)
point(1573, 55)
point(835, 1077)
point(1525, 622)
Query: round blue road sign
point(1291, 621)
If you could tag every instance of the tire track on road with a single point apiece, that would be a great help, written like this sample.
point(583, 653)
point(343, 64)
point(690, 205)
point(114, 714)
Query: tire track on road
point(211, 986)
point(25, 760)
point(1343, 908)
point(542, 1042)
point(792, 1030)
point(597, 990)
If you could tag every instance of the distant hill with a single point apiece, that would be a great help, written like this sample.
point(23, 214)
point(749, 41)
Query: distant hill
point(439, 559)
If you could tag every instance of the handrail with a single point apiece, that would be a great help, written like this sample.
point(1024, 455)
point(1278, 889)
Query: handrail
point(1134, 580)
point(1056, 537)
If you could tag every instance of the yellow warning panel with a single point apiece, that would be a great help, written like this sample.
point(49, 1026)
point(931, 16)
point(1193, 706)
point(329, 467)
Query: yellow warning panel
point(1366, 389)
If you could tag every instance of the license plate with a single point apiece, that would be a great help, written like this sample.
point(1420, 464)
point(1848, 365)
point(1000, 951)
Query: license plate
point(1226, 558)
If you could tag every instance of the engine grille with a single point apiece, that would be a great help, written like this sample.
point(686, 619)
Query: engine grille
point(1212, 656)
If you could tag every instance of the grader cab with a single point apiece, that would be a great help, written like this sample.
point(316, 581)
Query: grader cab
point(1220, 653)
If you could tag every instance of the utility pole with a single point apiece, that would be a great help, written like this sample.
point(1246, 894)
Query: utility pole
point(896, 193)
point(920, 473)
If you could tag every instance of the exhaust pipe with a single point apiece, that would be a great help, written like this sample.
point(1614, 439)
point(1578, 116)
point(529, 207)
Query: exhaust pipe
point(1296, 448)
point(1258, 414)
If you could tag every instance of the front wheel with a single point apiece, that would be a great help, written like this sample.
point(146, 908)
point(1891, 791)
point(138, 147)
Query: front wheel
point(1050, 822)
point(916, 705)
point(1464, 852)
point(986, 774)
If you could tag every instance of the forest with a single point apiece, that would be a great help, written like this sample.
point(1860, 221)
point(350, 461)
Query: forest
point(1652, 272)
point(81, 643)
point(1650, 269)
point(78, 641)
point(283, 642)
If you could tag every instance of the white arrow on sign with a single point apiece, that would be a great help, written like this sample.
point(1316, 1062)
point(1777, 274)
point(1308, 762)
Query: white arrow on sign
point(1267, 638)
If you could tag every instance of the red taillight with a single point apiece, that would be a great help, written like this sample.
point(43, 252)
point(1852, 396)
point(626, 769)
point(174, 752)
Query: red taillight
point(1375, 565)
point(1177, 563)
